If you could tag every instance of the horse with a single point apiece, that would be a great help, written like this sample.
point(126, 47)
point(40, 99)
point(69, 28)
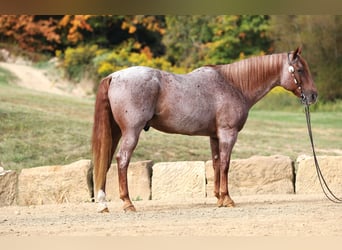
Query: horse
point(213, 101)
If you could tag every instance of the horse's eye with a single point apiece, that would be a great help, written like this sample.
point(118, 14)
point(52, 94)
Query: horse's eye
point(300, 71)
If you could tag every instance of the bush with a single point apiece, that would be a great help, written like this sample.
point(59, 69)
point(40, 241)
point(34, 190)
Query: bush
point(108, 62)
point(78, 62)
point(91, 62)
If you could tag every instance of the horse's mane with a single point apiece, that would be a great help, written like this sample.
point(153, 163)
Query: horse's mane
point(254, 72)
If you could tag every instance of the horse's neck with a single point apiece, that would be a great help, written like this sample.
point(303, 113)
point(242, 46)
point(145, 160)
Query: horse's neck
point(255, 77)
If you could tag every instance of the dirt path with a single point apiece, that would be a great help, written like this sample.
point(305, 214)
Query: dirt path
point(40, 80)
point(284, 215)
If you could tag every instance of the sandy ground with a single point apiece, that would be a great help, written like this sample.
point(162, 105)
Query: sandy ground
point(41, 80)
point(271, 215)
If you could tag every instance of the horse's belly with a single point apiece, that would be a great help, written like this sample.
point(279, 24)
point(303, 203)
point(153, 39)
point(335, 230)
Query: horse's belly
point(183, 124)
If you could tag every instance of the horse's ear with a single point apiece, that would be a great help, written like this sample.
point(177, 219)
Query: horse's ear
point(297, 52)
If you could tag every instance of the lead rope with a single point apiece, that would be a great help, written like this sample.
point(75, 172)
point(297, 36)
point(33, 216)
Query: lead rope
point(328, 193)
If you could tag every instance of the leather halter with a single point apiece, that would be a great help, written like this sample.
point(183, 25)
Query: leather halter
point(297, 83)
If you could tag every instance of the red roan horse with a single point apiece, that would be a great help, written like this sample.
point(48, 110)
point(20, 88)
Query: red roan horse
point(210, 101)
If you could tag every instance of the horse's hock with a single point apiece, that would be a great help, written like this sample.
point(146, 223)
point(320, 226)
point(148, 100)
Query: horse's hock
point(170, 180)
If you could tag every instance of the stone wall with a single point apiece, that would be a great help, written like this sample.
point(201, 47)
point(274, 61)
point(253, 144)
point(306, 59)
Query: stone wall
point(256, 175)
point(170, 180)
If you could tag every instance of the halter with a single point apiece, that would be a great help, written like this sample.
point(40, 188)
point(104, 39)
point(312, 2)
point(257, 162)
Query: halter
point(298, 84)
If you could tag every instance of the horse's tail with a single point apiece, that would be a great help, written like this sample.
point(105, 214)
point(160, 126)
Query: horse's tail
point(102, 139)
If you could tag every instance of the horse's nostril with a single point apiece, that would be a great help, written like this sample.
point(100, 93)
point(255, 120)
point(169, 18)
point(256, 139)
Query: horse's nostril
point(314, 97)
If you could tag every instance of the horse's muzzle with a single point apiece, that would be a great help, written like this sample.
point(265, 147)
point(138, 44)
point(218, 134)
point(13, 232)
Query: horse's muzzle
point(309, 98)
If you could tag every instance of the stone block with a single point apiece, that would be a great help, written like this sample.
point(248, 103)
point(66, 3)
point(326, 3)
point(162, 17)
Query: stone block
point(307, 181)
point(8, 187)
point(178, 180)
point(54, 184)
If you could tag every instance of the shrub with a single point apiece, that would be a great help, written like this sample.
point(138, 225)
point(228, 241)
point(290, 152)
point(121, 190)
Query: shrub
point(78, 62)
point(91, 62)
point(110, 61)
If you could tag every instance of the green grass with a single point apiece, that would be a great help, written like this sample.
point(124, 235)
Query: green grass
point(6, 77)
point(43, 129)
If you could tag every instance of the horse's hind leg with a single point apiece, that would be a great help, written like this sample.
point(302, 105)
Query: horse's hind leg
point(101, 176)
point(128, 144)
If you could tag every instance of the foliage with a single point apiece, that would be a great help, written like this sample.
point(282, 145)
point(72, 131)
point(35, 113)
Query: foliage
point(237, 37)
point(77, 62)
point(71, 27)
point(30, 32)
point(193, 41)
point(178, 43)
point(185, 39)
point(146, 30)
point(321, 38)
point(109, 61)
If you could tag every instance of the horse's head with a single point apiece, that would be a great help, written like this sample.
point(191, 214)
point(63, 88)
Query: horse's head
point(297, 78)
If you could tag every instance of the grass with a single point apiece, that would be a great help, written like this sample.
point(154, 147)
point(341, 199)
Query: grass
point(43, 129)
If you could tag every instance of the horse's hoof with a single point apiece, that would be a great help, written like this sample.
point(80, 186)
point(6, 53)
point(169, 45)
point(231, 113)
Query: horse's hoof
point(228, 202)
point(104, 210)
point(130, 208)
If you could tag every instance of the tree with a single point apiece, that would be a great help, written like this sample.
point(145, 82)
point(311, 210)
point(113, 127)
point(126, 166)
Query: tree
point(71, 28)
point(198, 40)
point(31, 33)
point(185, 38)
point(147, 31)
point(237, 37)
point(321, 38)
point(42, 33)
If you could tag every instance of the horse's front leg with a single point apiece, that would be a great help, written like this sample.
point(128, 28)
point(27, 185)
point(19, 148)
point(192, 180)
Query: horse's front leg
point(227, 139)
